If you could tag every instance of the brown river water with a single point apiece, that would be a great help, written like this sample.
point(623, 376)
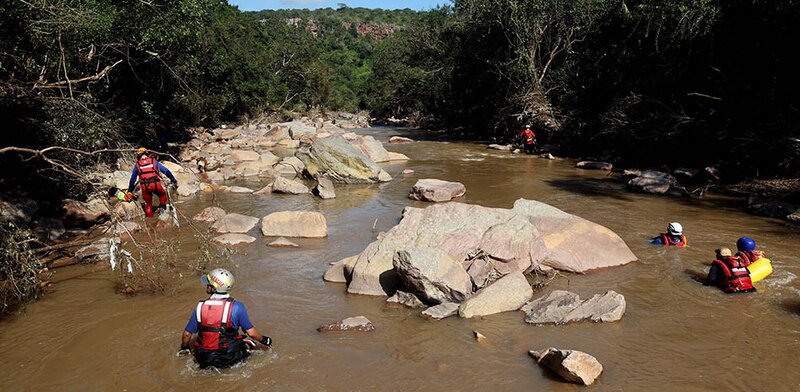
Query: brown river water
point(675, 335)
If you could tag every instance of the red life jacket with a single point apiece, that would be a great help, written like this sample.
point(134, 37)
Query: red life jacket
point(216, 331)
point(148, 170)
point(749, 256)
point(529, 136)
point(671, 240)
point(737, 277)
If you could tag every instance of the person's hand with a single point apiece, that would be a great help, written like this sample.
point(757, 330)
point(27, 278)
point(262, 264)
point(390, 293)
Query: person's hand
point(267, 341)
point(174, 185)
point(128, 196)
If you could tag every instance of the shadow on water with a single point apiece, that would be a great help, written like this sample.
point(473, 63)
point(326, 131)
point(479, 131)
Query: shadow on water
point(697, 276)
point(591, 187)
point(792, 306)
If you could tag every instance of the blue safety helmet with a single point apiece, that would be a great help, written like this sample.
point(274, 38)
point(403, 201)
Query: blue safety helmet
point(746, 243)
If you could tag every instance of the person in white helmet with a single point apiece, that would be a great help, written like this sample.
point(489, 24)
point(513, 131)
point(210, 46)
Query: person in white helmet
point(673, 237)
point(216, 321)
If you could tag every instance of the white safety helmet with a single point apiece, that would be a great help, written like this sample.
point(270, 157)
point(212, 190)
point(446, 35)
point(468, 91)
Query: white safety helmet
point(221, 279)
point(675, 228)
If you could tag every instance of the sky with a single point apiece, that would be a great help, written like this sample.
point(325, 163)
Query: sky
point(257, 5)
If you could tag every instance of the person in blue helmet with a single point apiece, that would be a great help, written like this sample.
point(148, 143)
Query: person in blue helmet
point(673, 237)
point(216, 321)
point(747, 250)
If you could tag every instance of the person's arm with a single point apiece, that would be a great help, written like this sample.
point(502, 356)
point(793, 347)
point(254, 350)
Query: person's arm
point(713, 276)
point(191, 328)
point(134, 177)
point(657, 241)
point(185, 340)
point(163, 169)
point(244, 322)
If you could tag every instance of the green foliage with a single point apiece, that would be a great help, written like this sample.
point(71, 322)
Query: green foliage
point(19, 269)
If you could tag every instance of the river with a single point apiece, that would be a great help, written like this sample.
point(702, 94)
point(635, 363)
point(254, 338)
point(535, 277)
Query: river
point(675, 335)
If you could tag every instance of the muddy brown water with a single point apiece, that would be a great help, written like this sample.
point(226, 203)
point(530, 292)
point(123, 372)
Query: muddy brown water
point(675, 335)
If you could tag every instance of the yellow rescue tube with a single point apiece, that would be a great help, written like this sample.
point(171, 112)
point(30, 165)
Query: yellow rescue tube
point(760, 269)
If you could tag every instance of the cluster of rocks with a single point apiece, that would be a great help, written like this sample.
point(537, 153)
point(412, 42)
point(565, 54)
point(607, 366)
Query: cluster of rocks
point(233, 227)
point(472, 260)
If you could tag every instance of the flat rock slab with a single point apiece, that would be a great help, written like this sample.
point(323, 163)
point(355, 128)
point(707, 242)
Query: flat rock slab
point(434, 190)
point(358, 323)
point(400, 139)
point(238, 189)
point(508, 293)
point(594, 165)
point(209, 214)
point(442, 310)
point(234, 239)
point(324, 189)
point(307, 224)
point(234, 223)
point(292, 187)
point(244, 155)
point(572, 365)
point(562, 307)
point(283, 243)
point(396, 156)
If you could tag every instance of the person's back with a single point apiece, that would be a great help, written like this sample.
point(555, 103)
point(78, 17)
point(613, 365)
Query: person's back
point(729, 273)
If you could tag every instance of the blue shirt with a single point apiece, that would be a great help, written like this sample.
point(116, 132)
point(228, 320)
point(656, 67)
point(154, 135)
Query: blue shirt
point(239, 317)
point(135, 175)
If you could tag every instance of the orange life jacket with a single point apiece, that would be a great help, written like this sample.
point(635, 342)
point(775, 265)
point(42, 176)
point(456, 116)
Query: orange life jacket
point(672, 240)
point(737, 277)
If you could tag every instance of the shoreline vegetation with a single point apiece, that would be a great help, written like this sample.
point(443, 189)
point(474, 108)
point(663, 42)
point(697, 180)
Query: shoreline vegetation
point(646, 84)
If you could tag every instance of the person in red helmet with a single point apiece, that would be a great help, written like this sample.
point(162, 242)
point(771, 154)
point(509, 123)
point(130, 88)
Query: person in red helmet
point(528, 139)
point(148, 171)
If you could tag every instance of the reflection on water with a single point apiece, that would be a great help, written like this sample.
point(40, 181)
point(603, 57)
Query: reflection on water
point(676, 334)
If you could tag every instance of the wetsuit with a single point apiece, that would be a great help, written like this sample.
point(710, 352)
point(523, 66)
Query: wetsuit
point(219, 344)
point(150, 181)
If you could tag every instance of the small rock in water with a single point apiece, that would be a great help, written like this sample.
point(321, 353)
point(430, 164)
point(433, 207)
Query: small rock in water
point(434, 190)
point(547, 156)
point(283, 242)
point(358, 323)
point(562, 307)
point(400, 139)
point(209, 214)
point(501, 147)
point(234, 239)
point(408, 171)
point(479, 337)
point(594, 165)
point(324, 188)
point(572, 365)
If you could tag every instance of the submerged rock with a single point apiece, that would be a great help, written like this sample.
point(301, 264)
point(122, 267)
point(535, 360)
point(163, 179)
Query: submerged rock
point(283, 243)
point(572, 365)
point(501, 147)
point(656, 182)
point(434, 190)
point(400, 139)
point(358, 323)
point(406, 299)
point(234, 223)
point(209, 214)
point(561, 307)
point(442, 310)
point(234, 239)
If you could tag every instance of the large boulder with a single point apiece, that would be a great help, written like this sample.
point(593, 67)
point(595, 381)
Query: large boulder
point(572, 365)
point(491, 242)
point(508, 293)
point(434, 190)
point(298, 130)
point(335, 158)
point(572, 243)
point(284, 185)
point(561, 307)
point(79, 214)
point(306, 224)
point(373, 148)
point(209, 214)
point(432, 275)
point(234, 223)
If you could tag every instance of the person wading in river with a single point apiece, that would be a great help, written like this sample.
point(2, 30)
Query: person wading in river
point(729, 273)
point(216, 321)
point(148, 171)
point(528, 139)
point(673, 237)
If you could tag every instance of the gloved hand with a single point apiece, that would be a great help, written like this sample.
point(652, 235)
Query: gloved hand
point(182, 352)
point(129, 196)
point(266, 340)
point(174, 184)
